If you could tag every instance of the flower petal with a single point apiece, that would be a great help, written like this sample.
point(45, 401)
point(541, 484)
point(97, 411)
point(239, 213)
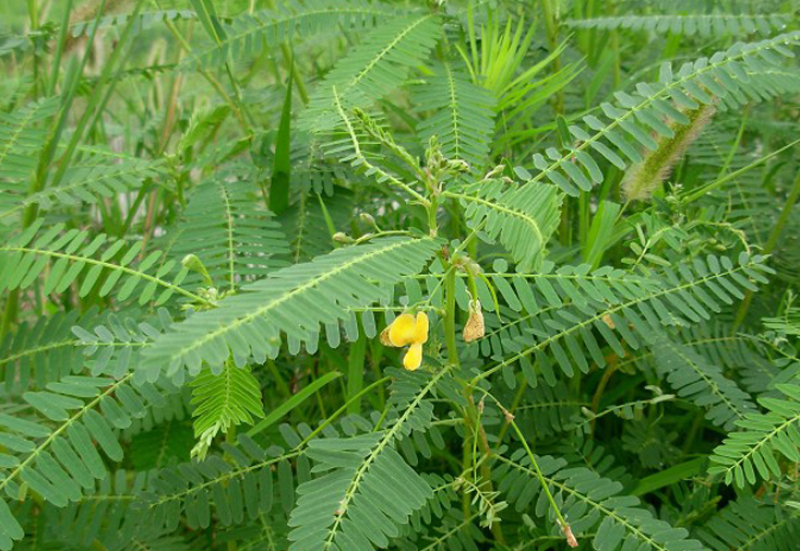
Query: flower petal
point(401, 331)
point(413, 358)
point(421, 329)
point(385, 336)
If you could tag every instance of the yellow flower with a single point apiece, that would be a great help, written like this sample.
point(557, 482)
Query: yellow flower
point(401, 331)
point(408, 330)
point(421, 329)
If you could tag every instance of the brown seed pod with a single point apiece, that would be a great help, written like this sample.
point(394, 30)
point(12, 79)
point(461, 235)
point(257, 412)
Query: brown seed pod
point(474, 329)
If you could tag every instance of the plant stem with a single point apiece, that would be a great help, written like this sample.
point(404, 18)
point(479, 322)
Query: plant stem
point(545, 488)
point(770, 246)
point(450, 318)
point(551, 26)
point(719, 182)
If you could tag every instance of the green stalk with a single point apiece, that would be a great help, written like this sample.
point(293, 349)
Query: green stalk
point(341, 410)
point(514, 404)
point(40, 179)
point(770, 246)
point(450, 318)
point(94, 99)
point(62, 37)
point(206, 75)
point(289, 55)
point(545, 488)
point(33, 15)
point(355, 371)
point(696, 194)
point(551, 27)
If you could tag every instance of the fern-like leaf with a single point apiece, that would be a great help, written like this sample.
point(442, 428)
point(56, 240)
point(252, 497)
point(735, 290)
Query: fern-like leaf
point(463, 114)
point(243, 487)
point(704, 24)
point(223, 400)
point(145, 20)
point(56, 455)
point(549, 410)
point(522, 217)
point(637, 314)
point(110, 514)
point(91, 181)
point(367, 489)
point(34, 355)
point(592, 504)
point(70, 257)
point(750, 452)
point(21, 138)
point(702, 382)
point(374, 68)
point(748, 524)
point(234, 238)
point(249, 34)
point(293, 300)
point(112, 347)
point(305, 222)
point(728, 79)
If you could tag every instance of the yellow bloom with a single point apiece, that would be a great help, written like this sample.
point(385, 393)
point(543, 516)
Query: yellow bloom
point(402, 330)
point(413, 357)
point(421, 329)
point(405, 330)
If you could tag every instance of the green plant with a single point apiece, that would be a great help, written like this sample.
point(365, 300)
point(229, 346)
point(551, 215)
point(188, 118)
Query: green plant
point(409, 275)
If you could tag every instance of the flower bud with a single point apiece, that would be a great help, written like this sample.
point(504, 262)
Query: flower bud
point(368, 219)
point(341, 237)
point(193, 263)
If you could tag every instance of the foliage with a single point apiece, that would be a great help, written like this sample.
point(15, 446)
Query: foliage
point(394, 274)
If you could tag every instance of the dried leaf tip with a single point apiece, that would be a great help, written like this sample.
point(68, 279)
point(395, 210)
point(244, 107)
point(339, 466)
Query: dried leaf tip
point(572, 541)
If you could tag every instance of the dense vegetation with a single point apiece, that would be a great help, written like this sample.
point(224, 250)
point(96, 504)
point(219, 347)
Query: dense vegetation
point(357, 274)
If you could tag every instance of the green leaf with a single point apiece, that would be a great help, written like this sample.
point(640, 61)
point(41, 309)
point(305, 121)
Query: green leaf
point(372, 69)
point(462, 114)
point(521, 217)
point(208, 17)
point(293, 300)
point(293, 402)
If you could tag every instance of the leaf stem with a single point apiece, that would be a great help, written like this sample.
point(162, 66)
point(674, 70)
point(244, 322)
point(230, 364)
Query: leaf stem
point(450, 318)
point(770, 246)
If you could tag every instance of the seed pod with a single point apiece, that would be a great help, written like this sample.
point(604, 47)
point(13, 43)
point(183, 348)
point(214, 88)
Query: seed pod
point(474, 328)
